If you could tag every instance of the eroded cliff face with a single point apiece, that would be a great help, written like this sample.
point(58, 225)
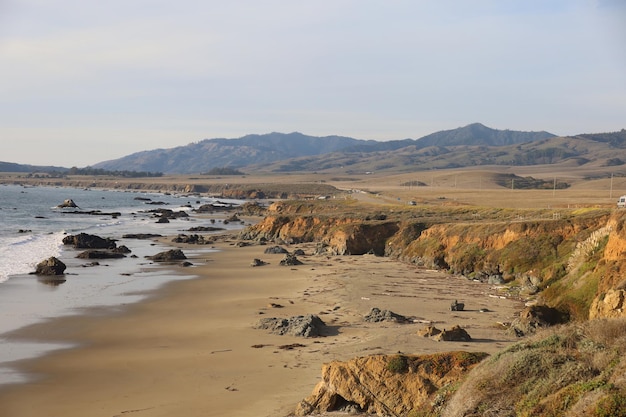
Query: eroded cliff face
point(576, 263)
point(388, 384)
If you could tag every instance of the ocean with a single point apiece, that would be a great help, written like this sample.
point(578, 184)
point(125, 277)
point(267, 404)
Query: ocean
point(32, 228)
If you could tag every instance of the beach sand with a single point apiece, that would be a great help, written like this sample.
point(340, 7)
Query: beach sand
point(191, 348)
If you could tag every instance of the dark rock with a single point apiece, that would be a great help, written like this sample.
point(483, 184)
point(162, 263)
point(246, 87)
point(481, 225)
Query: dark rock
point(377, 315)
point(258, 262)
point(122, 249)
point(99, 254)
point(186, 264)
point(163, 220)
point(298, 252)
point(290, 260)
point(205, 229)
point(51, 266)
point(171, 255)
point(303, 326)
point(191, 239)
point(141, 236)
point(276, 250)
point(85, 241)
point(456, 306)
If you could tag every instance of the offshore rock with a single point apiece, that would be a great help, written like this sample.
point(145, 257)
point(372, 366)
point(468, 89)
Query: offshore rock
point(51, 266)
point(86, 241)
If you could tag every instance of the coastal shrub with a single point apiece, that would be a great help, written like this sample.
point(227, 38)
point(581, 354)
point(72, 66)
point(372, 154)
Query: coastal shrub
point(398, 364)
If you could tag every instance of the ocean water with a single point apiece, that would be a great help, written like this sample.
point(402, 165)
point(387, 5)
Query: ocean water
point(32, 228)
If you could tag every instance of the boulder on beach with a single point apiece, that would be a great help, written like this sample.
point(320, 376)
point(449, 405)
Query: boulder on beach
point(258, 262)
point(302, 326)
point(276, 250)
point(68, 203)
point(290, 260)
point(99, 254)
point(377, 315)
point(86, 241)
point(456, 334)
point(51, 266)
point(456, 306)
point(171, 255)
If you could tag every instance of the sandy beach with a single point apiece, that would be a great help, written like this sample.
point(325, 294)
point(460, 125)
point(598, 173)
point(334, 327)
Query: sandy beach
point(191, 348)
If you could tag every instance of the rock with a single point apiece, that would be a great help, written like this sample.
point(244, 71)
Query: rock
point(171, 255)
point(99, 254)
point(186, 264)
point(428, 331)
point(537, 316)
point(191, 239)
point(163, 220)
point(298, 252)
point(86, 241)
point(303, 326)
point(121, 249)
point(609, 304)
point(290, 260)
point(377, 315)
point(258, 262)
point(204, 229)
point(456, 334)
point(368, 385)
point(276, 250)
point(141, 236)
point(456, 306)
point(51, 266)
point(69, 203)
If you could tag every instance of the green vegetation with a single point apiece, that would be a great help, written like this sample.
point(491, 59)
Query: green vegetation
point(398, 364)
point(124, 174)
point(224, 171)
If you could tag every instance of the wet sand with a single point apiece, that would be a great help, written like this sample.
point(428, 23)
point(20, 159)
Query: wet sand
point(191, 349)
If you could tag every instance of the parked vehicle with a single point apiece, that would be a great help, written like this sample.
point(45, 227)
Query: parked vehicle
point(621, 203)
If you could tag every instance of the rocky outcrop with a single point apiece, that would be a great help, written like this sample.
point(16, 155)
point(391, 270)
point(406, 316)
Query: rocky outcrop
point(50, 266)
point(611, 304)
point(86, 241)
point(388, 385)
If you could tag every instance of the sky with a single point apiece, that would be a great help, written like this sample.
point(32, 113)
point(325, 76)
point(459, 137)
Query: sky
point(84, 81)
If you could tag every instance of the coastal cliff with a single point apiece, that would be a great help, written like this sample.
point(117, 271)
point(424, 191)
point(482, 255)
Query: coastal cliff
point(388, 385)
point(572, 261)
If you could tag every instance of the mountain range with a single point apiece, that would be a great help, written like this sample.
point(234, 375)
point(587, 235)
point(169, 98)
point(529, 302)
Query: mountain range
point(471, 145)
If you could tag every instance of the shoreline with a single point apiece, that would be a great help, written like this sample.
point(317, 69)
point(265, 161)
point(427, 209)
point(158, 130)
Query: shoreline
point(190, 348)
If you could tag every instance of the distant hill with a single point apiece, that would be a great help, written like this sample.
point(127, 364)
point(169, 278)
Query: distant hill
point(300, 151)
point(471, 145)
point(234, 153)
point(13, 167)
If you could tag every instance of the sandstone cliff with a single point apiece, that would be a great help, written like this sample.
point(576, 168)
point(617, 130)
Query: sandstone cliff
point(388, 385)
point(574, 261)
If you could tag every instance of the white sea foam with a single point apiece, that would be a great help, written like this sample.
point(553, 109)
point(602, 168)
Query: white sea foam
point(21, 254)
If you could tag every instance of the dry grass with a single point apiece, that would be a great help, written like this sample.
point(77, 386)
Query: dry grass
point(557, 372)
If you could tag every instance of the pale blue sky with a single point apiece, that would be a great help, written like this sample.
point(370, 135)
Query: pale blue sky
point(82, 81)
